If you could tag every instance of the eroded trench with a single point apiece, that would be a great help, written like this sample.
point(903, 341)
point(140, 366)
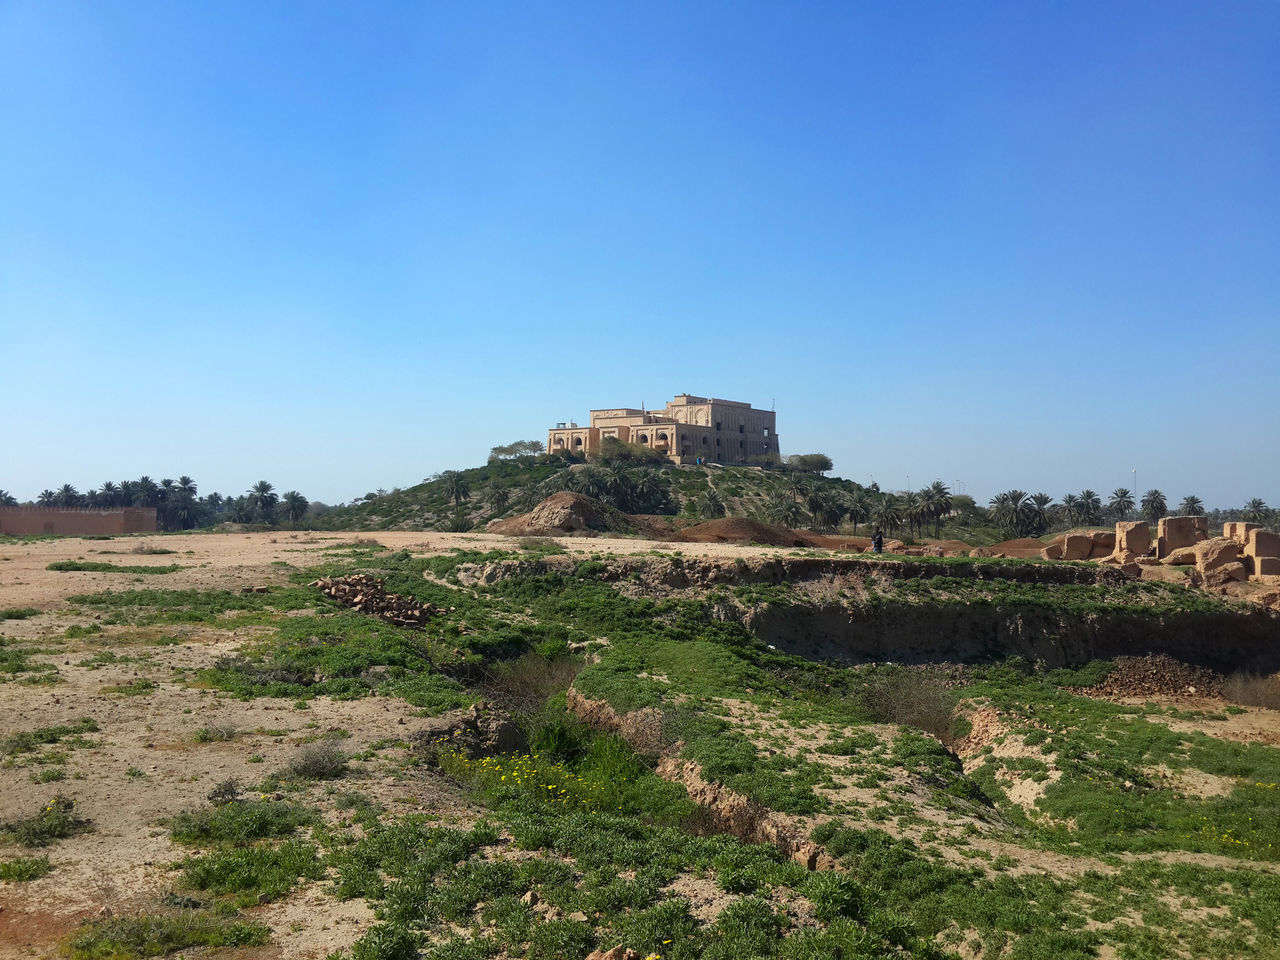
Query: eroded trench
point(856, 610)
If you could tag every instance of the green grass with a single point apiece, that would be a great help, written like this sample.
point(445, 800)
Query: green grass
point(29, 741)
point(152, 606)
point(155, 935)
point(56, 820)
point(239, 823)
point(253, 874)
point(138, 687)
point(18, 613)
point(24, 869)
point(97, 566)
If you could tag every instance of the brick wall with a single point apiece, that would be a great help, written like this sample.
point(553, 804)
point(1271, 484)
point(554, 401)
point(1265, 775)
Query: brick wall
point(76, 521)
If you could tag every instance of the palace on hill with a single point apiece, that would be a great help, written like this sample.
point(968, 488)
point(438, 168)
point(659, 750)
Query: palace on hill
point(688, 430)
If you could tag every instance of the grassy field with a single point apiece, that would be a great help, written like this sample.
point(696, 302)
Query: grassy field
point(985, 809)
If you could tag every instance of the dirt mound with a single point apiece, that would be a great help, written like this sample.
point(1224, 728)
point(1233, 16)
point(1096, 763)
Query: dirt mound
point(1157, 675)
point(742, 530)
point(563, 513)
point(1022, 549)
point(950, 548)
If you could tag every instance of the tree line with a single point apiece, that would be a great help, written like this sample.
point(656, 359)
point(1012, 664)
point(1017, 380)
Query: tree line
point(177, 502)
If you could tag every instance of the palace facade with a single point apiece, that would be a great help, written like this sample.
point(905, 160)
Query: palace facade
point(687, 430)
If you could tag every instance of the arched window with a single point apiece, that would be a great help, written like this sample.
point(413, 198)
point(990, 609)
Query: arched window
point(559, 441)
point(644, 438)
point(662, 438)
point(577, 441)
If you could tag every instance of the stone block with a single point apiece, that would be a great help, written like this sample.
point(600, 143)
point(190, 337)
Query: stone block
point(1051, 552)
point(1077, 546)
point(1238, 530)
point(1133, 536)
point(1262, 543)
point(1175, 532)
point(1182, 557)
point(1215, 553)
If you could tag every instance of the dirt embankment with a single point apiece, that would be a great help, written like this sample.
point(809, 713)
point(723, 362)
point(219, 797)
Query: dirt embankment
point(730, 811)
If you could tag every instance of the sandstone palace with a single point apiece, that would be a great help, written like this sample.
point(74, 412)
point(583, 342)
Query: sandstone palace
point(688, 429)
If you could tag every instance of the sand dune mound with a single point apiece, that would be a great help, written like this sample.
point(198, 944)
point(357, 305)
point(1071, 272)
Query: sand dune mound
point(742, 530)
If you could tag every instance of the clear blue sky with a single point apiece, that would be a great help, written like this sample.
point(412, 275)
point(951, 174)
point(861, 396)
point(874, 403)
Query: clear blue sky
point(344, 246)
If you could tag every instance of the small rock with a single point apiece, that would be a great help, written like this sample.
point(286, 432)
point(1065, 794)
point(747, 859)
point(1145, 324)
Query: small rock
point(531, 898)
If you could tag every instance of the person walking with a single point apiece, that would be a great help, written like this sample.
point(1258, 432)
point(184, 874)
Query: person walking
point(877, 541)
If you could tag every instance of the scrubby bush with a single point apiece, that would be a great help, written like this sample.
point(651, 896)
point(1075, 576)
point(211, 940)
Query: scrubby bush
point(323, 760)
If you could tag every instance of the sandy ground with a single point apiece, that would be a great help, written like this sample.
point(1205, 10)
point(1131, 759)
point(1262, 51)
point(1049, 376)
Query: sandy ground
point(145, 763)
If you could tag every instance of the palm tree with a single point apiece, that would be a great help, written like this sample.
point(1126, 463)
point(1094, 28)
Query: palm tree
point(1121, 503)
point(858, 506)
point(1153, 505)
point(784, 510)
point(295, 506)
point(263, 498)
point(146, 493)
point(110, 494)
point(7, 499)
point(497, 497)
point(1191, 506)
point(47, 498)
point(940, 500)
point(1038, 513)
point(710, 505)
point(910, 504)
point(528, 497)
point(1071, 508)
point(456, 487)
point(68, 496)
point(1255, 511)
point(1012, 510)
point(187, 485)
point(828, 511)
point(1089, 507)
point(646, 486)
point(885, 513)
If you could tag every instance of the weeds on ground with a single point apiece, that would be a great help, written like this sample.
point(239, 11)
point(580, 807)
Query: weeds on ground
point(239, 823)
point(29, 741)
point(18, 613)
point(23, 869)
point(254, 874)
point(98, 566)
point(54, 821)
point(139, 686)
point(154, 935)
point(1252, 690)
point(322, 760)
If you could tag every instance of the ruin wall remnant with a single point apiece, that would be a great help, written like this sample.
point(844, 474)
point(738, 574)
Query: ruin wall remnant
point(76, 521)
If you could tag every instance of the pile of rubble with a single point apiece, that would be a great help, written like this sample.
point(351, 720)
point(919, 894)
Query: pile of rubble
point(1156, 675)
point(367, 594)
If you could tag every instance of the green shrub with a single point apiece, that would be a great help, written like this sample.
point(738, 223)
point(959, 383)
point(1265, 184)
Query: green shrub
point(239, 822)
point(255, 874)
point(125, 938)
point(22, 869)
point(322, 760)
point(55, 820)
point(27, 741)
point(18, 613)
